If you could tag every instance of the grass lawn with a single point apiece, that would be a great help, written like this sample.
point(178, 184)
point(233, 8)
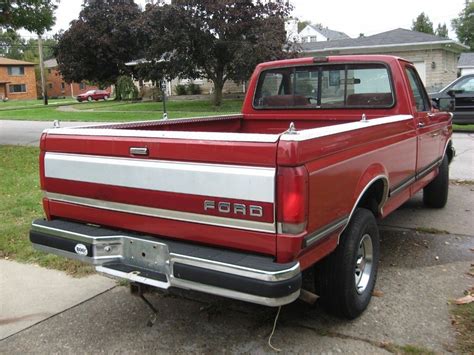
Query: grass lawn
point(122, 111)
point(16, 104)
point(463, 127)
point(20, 204)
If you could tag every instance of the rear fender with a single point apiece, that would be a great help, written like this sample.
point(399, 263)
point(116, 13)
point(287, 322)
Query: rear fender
point(371, 176)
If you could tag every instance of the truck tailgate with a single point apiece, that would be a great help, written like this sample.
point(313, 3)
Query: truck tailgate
point(210, 190)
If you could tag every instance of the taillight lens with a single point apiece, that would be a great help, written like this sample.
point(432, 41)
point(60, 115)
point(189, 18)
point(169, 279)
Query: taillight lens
point(292, 184)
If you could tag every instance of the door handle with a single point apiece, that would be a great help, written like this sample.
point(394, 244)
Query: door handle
point(431, 115)
point(138, 151)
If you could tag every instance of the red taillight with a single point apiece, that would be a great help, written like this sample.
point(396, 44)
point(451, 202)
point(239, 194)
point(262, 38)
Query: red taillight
point(292, 184)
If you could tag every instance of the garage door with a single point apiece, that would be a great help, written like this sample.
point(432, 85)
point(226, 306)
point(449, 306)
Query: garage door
point(421, 69)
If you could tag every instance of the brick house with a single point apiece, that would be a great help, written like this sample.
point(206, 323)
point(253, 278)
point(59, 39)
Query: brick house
point(57, 87)
point(434, 57)
point(17, 79)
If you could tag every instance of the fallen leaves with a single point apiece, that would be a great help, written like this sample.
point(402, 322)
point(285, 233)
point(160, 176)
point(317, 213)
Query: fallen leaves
point(468, 298)
point(464, 300)
point(377, 293)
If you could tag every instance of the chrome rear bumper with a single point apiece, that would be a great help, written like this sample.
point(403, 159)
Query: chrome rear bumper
point(166, 263)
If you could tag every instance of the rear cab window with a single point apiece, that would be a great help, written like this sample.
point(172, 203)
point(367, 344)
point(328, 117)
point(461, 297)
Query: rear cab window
point(366, 85)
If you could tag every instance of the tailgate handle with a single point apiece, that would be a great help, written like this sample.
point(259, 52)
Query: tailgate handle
point(138, 151)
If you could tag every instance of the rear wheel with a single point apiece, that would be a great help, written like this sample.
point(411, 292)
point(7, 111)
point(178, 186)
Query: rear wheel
point(89, 98)
point(346, 278)
point(106, 98)
point(435, 194)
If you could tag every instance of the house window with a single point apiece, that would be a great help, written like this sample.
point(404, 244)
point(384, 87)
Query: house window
point(62, 86)
point(16, 70)
point(17, 88)
point(313, 39)
point(82, 86)
point(50, 85)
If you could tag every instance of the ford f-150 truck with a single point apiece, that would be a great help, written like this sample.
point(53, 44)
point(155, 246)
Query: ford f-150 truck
point(242, 205)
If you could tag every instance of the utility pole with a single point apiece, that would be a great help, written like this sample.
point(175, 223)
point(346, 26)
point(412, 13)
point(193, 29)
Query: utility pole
point(41, 64)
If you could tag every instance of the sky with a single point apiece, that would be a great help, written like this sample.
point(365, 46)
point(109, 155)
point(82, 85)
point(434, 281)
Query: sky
point(351, 16)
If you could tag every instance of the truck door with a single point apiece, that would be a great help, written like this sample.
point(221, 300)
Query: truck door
point(429, 125)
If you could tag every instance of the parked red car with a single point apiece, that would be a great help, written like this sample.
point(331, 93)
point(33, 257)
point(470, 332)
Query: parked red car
point(93, 95)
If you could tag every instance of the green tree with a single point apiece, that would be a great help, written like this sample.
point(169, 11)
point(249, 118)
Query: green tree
point(215, 40)
point(442, 31)
point(98, 44)
point(33, 15)
point(464, 25)
point(302, 25)
point(11, 44)
point(422, 24)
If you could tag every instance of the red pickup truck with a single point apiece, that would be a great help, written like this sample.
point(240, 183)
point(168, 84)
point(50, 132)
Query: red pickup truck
point(242, 205)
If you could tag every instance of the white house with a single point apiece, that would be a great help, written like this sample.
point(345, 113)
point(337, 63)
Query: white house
point(318, 33)
point(466, 63)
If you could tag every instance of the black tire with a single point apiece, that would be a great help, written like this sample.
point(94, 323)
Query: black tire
point(435, 194)
point(335, 276)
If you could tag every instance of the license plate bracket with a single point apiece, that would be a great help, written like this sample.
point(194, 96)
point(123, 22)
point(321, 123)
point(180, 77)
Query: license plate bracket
point(147, 254)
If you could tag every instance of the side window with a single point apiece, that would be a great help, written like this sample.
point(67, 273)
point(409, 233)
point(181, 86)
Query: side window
point(466, 85)
point(418, 91)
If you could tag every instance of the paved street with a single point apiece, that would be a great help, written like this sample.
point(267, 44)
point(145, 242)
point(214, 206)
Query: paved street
point(29, 132)
point(419, 274)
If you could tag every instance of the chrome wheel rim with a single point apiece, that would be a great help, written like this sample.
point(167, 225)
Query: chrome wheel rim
point(364, 263)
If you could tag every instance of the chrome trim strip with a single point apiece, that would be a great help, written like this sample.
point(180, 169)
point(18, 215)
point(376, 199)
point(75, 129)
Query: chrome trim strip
point(162, 213)
point(188, 135)
point(132, 277)
point(341, 128)
point(446, 146)
point(266, 301)
point(369, 184)
point(216, 180)
point(324, 232)
point(236, 269)
point(425, 171)
point(403, 185)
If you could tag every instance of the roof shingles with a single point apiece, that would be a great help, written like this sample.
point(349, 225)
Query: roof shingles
point(398, 36)
point(466, 60)
point(8, 61)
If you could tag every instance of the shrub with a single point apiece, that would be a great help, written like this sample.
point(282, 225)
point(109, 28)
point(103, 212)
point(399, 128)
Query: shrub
point(193, 89)
point(180, 89)
point(125, 89)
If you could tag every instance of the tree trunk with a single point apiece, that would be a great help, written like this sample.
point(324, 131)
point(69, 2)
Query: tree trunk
point(218, 86)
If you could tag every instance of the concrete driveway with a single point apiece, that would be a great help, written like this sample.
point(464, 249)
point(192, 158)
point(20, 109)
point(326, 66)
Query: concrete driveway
point(419, 274)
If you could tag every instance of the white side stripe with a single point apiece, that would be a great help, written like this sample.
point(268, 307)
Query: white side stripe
point(225, 181)
point(340, 128)
point(209, 136)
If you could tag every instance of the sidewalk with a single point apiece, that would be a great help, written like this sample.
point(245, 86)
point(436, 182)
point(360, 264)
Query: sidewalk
point(30, 294)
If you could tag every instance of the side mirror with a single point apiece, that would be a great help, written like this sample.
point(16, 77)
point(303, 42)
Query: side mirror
point(446, 104)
